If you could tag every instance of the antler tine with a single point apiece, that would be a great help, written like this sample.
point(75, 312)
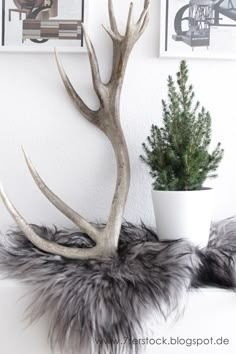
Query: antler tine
point(41, 243)
point(77, 219)
point(97, 82)
point(123, 49)
point(111, 34)
point(129, 21)
point(112, 17)
point(88, 113)
point(143, 17)
point(144, 24)
point(146, 4)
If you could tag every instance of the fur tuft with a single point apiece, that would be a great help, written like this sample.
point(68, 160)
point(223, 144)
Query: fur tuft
point(94, 306)
point(218, 258)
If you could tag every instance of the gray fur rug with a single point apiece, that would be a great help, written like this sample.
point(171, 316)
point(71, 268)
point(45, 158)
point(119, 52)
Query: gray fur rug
point(97, 307)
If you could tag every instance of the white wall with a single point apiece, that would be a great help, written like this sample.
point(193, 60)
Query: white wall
point(73, 157)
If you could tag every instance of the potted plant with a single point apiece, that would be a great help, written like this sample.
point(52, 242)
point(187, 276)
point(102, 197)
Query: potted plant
point(178, 156)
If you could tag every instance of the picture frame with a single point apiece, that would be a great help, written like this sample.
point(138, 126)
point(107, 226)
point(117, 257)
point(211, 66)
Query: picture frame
point(42, 25)
point(198, 29)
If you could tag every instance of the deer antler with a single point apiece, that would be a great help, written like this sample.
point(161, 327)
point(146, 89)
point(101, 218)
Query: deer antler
point(107, 119)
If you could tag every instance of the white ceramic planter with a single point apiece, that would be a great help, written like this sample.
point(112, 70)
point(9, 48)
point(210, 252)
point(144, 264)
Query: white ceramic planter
point(183, 214)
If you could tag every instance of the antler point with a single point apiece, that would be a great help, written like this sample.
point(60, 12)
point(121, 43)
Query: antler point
point(1, 188)
point(24, 153)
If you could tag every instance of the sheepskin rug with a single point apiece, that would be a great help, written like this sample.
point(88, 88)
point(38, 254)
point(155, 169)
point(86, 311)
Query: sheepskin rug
point(219, 257)
point(96, 306)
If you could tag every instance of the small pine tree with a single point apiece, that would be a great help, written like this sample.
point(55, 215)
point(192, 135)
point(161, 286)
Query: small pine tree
point(177, 153)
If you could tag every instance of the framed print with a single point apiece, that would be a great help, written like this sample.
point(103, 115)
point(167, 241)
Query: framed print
point(198, 28)
point(41, 25)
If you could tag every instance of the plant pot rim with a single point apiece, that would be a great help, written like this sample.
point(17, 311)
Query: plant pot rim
point(205, 189)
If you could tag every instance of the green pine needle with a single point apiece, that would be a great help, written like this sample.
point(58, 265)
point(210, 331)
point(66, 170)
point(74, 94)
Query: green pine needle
point(177, 153)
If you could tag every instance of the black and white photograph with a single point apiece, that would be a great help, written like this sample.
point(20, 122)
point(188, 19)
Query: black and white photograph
point(198, 28)
point(39, 25)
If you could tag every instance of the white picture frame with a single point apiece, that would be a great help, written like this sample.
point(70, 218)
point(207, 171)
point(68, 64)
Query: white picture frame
point(198, 29)
point(43, 25)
